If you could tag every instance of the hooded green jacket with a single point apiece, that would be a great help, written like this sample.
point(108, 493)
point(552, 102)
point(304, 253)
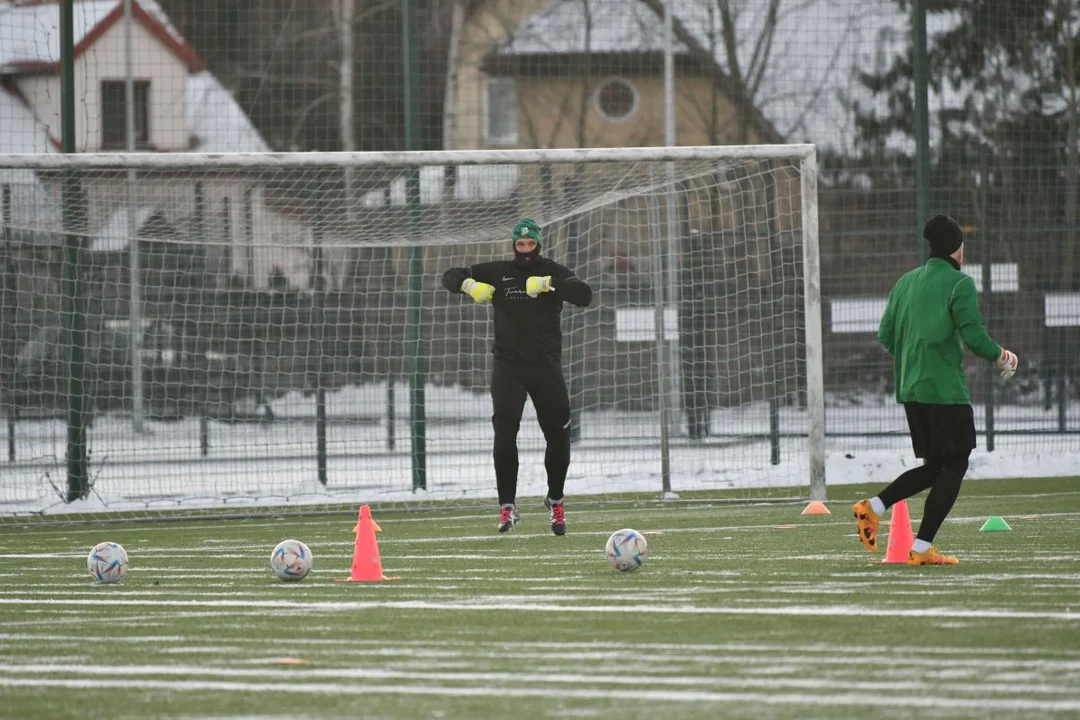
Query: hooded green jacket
point(932, 313)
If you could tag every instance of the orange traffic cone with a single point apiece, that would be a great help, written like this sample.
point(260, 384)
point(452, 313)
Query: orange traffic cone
point(366, 564)
point(816, 507)
point(900, 537)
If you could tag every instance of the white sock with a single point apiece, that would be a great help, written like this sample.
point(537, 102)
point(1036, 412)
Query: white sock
point(879, 507)
point(920, 546)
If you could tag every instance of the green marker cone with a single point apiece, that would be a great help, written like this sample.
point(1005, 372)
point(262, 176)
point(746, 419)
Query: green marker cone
point(995, 524)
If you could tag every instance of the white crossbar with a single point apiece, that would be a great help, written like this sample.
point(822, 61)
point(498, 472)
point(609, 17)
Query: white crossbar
point(187, 161)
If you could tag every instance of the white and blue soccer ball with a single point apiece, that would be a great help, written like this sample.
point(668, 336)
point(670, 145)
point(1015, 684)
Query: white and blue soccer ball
point(626, 550)
point(107, 562)
point(291, 560)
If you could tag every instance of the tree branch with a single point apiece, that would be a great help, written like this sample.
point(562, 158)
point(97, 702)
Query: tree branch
point(759, 61)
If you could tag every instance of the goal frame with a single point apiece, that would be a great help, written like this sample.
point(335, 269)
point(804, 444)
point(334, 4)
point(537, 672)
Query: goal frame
point(804, 155)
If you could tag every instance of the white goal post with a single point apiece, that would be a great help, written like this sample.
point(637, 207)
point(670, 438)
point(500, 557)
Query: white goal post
point(291, 343)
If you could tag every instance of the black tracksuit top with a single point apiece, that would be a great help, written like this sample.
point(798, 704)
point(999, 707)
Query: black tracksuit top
point(526, 329)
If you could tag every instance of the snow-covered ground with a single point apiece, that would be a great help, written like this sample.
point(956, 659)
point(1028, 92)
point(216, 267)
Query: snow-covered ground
point(275, 462)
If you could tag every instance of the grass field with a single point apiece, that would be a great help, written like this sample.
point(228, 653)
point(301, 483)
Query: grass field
point(735, 615)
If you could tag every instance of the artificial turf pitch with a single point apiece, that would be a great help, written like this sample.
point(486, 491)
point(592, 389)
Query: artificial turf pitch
point(742, 610)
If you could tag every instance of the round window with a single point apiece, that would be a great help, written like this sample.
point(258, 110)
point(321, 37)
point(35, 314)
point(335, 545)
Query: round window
point(616, 100)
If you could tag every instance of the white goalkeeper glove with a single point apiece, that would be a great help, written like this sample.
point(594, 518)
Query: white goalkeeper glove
point(1006, 364)
point(478, 291)
point(538, 284)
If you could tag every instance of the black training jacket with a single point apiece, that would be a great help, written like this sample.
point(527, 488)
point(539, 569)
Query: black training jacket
point(526, 329)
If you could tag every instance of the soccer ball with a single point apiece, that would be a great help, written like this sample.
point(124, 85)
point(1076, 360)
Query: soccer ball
point(291, 560)
point(626, 550)
point(107, 562)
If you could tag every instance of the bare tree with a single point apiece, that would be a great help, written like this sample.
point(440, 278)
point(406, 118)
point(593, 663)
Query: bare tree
point(457, 21)
point(741, 77)
point(586, 73)
point(1064, 17)
point(571, 106)
point(746, 80)
point(344, 18)
point(743, 47)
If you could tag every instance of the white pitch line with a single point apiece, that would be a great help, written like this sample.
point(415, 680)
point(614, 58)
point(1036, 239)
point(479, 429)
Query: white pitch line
point(938, 613)
point(320, 524)
point(405, 647)
point(907, 661)
point(390, 540)
point(619, 694)
point(586, 594)
point(294, 674)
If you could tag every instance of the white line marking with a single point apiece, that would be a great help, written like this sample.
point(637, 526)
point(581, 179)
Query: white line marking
point(939, 613)
point(694, 696)
point(510, 679)
point(596, 649)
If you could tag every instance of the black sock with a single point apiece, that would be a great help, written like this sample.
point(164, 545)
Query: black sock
point(942, 496)
point(556, 463)
point(557, 460)
point(912, 482)
point(506, 472)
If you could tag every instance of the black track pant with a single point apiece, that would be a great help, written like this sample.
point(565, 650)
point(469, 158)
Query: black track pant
point(944, 436)
point(543, 382)
point(943, 475)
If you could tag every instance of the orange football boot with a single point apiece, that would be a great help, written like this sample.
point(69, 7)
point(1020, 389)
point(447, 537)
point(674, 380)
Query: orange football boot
point(868, 524)
point(931, 557)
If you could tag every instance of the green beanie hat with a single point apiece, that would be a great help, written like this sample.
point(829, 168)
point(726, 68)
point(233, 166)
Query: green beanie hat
point(526, 228)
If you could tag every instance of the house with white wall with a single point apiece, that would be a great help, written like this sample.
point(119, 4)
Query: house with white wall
point(179, 106)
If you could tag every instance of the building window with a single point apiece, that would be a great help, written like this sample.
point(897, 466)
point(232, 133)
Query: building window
point(114, 114)
point(501, 111)
point(616, 100)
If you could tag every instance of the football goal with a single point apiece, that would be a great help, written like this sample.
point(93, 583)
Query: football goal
point(189, 331)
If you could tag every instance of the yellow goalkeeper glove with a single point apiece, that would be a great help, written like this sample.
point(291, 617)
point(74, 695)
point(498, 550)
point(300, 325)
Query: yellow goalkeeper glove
point(478, 291)
point(538, 284)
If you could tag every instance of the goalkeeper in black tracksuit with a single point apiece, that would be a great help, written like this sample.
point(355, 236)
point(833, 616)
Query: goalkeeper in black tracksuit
point(528, 294)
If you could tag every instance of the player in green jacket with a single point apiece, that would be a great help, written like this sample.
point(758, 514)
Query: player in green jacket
point(932, 314)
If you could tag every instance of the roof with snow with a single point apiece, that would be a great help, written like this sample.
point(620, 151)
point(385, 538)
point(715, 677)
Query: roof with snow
point(217, 120)
point(20, 132)
point(474, 183)
point(125, 223)
point(615, 26)
point(30, 42)
point(31, 30)
point(811, 79)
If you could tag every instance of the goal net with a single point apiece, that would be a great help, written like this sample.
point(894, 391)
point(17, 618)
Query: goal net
point(239, 331)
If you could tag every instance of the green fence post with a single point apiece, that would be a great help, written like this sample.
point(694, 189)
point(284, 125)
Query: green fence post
point(922, 124)
point(417, 422)
point(73, 304)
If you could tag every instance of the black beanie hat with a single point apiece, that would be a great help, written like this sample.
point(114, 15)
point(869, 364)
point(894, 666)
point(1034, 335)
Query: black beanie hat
point(944, 235)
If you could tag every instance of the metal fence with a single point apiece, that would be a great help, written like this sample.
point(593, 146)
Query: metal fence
point(914, 107)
